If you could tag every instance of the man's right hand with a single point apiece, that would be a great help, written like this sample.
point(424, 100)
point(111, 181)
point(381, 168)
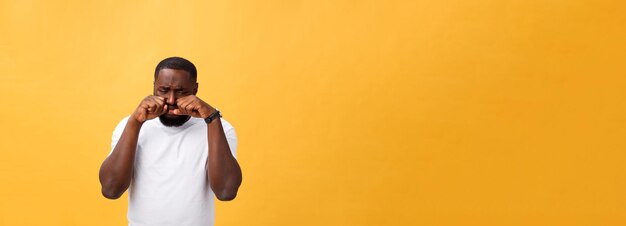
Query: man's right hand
point(149, 108)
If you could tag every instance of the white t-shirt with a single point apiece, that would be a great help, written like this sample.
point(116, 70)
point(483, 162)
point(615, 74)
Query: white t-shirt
point(169, 184)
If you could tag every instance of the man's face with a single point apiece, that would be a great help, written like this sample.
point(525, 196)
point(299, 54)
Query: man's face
point(172, 84)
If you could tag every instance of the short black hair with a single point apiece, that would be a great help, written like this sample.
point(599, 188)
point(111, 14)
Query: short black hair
point(177, 63)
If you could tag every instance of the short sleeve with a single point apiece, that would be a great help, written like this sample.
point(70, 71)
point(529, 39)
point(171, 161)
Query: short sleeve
point(231, 137)
point(117, 133)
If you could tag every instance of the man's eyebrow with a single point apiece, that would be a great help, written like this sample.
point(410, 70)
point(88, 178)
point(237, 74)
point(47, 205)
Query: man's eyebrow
point(167, 87)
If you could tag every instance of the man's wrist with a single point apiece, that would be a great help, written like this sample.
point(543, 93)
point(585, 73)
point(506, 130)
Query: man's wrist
point(210, 111)
point(134, 122)
point(213, 116)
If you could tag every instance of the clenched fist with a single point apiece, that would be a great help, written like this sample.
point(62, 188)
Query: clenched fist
point(149, 108)
point(193, 106)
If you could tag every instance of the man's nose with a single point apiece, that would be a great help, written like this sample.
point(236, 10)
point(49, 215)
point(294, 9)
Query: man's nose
point(170, 99)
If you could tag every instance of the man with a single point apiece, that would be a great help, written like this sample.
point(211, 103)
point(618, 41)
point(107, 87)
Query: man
point(174, 164)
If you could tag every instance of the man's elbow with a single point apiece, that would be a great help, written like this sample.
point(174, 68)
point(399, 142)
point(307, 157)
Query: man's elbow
point(226, 195)
point(111, 192)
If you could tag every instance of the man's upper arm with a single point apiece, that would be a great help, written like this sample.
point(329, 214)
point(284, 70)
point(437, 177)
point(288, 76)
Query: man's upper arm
point(231, 137)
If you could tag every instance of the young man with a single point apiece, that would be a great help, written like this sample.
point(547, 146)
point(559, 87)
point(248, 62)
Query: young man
point(174, 153)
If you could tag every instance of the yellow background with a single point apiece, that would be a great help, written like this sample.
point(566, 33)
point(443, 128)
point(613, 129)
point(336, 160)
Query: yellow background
point(449, 112)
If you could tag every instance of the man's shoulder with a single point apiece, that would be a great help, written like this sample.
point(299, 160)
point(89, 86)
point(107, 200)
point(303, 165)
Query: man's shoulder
point(226, 125)
point(200, 122)
point(124, 120)
point(121, 124)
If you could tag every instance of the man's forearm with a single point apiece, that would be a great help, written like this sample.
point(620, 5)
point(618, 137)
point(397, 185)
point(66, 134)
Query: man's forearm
point(224, 171)
point(117, 169)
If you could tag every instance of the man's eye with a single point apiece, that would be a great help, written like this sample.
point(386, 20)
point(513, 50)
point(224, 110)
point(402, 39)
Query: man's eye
point(180, 91)
point(163, 91)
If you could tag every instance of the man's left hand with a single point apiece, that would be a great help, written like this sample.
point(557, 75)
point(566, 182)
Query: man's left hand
point(193, 106)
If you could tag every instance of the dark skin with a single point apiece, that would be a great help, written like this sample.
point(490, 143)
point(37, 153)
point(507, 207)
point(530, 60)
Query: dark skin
point(174, 95)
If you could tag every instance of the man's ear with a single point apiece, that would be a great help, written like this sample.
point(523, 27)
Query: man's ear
point(195, 89)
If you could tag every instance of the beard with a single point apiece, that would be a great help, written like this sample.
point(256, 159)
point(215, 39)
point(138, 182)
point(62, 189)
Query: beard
point(173, 120)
